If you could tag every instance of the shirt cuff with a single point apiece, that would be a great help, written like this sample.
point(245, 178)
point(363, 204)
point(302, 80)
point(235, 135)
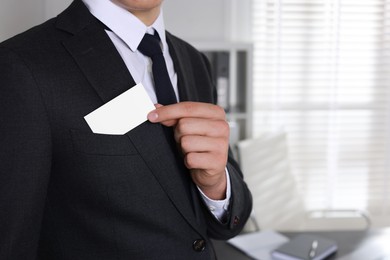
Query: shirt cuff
point(219, 208)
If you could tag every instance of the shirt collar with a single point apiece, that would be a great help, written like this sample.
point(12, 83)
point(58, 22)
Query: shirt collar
point(124, 24)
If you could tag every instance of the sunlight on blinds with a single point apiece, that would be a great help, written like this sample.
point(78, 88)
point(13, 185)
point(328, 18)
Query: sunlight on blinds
point(321, 74)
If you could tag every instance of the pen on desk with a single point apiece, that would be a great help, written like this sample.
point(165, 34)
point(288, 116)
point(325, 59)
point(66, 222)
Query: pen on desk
point(313, 248)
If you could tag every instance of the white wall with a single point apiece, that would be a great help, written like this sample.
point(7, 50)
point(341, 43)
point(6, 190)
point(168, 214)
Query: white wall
point(193, 20)
point(19, 15)
point(54, 7)
point(200, 19)
point(209, 20)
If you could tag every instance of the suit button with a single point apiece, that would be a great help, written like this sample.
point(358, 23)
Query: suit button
point(199, 245)
point(236, 220)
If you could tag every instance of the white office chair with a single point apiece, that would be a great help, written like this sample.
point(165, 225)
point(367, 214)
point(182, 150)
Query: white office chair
point(277, 202)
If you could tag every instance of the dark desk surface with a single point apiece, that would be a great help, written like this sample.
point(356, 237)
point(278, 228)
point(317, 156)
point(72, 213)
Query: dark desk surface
point(353, 245)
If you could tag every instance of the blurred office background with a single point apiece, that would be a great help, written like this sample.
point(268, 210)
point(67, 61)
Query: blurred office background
point(319, 74)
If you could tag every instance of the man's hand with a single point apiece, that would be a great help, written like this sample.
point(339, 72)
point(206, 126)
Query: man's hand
point(202, 133)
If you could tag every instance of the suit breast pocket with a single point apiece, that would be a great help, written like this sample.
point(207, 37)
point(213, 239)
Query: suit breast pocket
point(100, 144)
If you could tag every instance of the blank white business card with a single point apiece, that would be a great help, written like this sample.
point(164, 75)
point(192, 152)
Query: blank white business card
point(121, 114)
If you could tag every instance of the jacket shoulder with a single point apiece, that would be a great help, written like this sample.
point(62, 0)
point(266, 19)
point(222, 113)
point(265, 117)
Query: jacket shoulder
point(33, 36)
point(71, 21)
point(181, 44)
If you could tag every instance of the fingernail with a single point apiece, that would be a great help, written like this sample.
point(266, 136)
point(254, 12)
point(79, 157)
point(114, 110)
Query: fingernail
point(152, 116)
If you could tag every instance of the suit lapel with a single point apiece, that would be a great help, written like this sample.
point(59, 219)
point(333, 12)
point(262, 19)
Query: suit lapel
point(102, 65)
point(185, 76)
point(100, 62)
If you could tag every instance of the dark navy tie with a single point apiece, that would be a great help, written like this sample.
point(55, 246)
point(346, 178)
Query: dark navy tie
point(150, 46)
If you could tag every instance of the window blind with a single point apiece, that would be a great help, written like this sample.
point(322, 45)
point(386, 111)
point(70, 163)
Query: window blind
point(321, 74)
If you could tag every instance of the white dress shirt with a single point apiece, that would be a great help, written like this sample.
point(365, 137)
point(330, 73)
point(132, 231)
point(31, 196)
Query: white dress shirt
point(126, 34)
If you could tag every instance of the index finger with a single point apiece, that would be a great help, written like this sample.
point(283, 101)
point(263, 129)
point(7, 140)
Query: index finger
point(186, 109)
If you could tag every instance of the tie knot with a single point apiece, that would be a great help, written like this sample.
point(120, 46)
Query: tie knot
point(150, 45)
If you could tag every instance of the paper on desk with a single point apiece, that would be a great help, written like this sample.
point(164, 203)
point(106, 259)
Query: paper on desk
point(121, 114)
point(259, 245)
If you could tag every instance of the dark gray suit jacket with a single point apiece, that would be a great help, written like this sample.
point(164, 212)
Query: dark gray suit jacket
point(66, 193)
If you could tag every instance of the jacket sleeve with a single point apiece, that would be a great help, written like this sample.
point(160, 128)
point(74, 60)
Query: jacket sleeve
point(240, 206)
point(239, 209)
point(25, 159)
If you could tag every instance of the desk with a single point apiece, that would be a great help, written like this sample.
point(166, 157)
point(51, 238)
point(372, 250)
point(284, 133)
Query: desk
point(372, 244)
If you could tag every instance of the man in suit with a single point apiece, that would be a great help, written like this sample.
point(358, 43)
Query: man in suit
point(160, 191)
